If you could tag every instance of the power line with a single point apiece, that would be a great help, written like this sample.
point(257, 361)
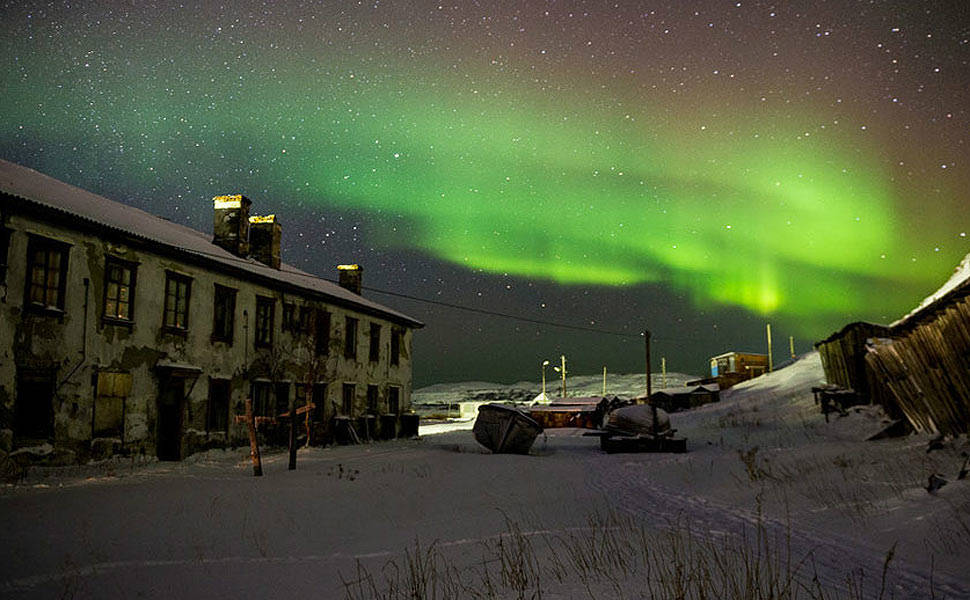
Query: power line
point(471, 309)
point(493, 313)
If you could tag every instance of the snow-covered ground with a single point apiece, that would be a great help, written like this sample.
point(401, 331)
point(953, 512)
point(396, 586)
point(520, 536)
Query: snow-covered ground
point(762, 462)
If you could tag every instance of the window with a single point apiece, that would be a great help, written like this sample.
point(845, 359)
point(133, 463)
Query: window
point(282, 398)
point(119, 289)
point(46, 273)
point(261, 392)
point(224, 314)
point(323, 332)
point(350, 338)
point(349, 391)
point(375, 342)
point(289, 320)
point(177, 289)
point(303, 321)
point(264, 321)
point(395, 346)
point(393, 400)
point(109, 405)
point(217, 412)
point(372, 396)
point(319, 402)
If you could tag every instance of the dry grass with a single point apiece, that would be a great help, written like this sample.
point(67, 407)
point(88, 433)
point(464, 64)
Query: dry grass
point(612, 556)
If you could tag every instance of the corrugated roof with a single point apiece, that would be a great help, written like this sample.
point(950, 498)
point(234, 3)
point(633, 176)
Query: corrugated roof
point(46, 191)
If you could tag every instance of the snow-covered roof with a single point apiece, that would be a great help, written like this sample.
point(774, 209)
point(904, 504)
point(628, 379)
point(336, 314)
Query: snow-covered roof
point(959, 279)
point(51, 193)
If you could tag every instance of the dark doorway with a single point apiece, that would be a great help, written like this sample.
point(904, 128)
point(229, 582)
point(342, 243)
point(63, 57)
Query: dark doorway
point(169, 432)
point(34, 411)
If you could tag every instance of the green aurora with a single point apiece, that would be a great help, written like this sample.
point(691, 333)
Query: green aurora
point(778, 209)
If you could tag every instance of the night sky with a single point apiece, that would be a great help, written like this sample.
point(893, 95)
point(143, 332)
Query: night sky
point(694, 168)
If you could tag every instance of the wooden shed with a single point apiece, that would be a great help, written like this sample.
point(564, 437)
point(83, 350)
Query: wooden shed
point(843, 355)
point(922, 371)
point(685, 397)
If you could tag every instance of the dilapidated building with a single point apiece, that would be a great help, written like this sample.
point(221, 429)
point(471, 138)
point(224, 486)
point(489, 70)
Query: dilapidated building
point(124, 332)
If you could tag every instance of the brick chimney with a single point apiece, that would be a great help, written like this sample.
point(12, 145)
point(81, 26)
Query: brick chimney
point(351, 277)
point(230, 223)
point(264, 240)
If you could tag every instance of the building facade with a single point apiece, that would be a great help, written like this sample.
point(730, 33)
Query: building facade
point(122, 332)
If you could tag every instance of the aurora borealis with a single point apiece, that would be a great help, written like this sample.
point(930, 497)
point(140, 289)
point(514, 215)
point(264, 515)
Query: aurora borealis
point(695, 168)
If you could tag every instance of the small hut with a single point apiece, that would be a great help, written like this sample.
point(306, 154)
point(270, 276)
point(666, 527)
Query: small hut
point(685, 397)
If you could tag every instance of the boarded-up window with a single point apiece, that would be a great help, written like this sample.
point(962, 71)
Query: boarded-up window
point(109, 405)
point(393, 400)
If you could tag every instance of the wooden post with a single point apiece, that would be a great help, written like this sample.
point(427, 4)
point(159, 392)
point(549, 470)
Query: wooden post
point(663, 370)
point(646, 337)
point(253, 444)
point(307, 420)
point(604, 380)
point(791, 346)
point(770, 363)
point(292, 441)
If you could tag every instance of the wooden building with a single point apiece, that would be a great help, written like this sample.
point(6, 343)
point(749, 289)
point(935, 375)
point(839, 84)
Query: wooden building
point(918, 367)
point(731, 368)
point(685, 397)
point(123, 332)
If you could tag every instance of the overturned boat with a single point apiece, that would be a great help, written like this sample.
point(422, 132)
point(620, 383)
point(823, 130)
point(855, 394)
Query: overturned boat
point(505, 430)
point(640, 428)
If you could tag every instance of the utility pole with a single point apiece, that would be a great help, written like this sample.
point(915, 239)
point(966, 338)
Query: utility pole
point(563, 359)
point(604, 380)
point(646, 337)
point(791, 346)
point(770, 363)
point(663, 370)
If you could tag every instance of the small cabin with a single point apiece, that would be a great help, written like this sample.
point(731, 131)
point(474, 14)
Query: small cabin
point(732, 368)
point(685, 397)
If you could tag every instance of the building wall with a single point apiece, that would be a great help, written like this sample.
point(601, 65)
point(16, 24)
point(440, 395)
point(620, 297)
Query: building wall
point(80, 347)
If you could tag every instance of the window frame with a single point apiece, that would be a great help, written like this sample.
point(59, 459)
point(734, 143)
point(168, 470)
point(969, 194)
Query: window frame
point(322, 332)
point(223, 292)
point(178, 279)
point(351, 330)
point(374, 348)
point(397, 336)
point(132, 267)
point(36, 243)
point(352, 388)
point(225, 384)
point(264, 324)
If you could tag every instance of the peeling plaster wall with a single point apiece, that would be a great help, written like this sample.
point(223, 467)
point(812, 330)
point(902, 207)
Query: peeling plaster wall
point(77, 347)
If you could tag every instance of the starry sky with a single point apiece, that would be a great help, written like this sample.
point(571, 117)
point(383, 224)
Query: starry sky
point(697, 169)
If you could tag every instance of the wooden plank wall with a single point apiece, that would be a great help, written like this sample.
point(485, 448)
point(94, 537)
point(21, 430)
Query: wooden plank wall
point(924, 370)
point(844, 355)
